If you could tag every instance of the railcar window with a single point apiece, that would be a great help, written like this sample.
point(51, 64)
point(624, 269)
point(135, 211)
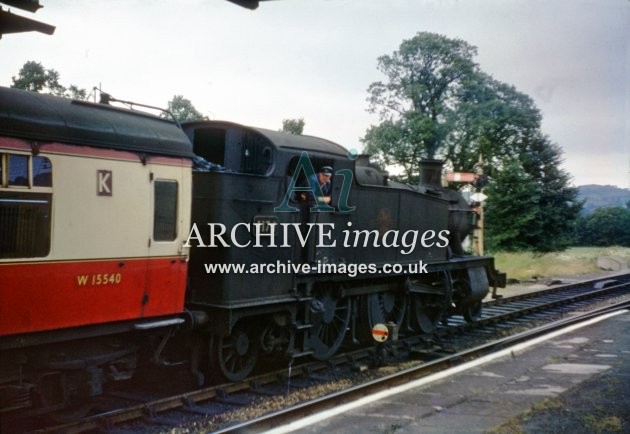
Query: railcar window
point(165, 212)
point(42, 172)
point(24, 224)
point(25, 215)
point(18, 170)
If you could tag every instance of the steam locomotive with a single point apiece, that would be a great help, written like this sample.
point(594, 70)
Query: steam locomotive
point(124, 235)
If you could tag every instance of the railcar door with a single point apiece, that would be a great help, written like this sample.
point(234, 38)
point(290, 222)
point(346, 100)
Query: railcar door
point(170, 186)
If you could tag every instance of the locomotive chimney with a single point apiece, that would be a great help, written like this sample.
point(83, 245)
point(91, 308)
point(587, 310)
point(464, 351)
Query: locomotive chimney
point(431, 173)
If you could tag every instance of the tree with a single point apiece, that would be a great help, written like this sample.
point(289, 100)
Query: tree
point(75, 92)
point(558, 205)
point(424, 76)
point(34, 77)
point(530, 205)
point(512, 220)
point(491, 119)
point(605, 227)
point(183, 110)
point(438, 103)
point(393, 144)
point(293, 126)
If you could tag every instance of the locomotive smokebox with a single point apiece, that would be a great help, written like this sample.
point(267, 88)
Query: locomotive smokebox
point(431, 173)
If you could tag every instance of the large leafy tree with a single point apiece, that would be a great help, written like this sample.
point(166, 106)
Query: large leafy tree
point(416, 102)
point(436, 102)
point(35, 77)
point(491, 119)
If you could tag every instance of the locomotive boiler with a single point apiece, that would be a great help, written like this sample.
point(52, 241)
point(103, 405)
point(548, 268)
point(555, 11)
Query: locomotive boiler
point(123, 235)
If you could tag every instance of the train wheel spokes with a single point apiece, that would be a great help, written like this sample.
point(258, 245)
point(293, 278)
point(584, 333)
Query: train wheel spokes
point(330, 323)
point(472, 311)
point(233, 357)
point(385, 307)
point(426, 312)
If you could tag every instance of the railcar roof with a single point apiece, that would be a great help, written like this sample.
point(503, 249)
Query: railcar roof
point(280, 139)
point(34, 116)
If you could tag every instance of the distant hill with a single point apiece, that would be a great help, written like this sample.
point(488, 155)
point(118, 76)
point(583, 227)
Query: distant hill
point(598, 196)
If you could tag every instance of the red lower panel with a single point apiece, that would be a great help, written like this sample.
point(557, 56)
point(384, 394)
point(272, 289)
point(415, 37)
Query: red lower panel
point(52, 295)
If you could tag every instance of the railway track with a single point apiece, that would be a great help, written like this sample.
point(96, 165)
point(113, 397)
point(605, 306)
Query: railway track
point(283, 395)
point(298, 412)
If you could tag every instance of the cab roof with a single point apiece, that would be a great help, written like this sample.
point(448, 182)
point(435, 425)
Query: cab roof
point(279, 139)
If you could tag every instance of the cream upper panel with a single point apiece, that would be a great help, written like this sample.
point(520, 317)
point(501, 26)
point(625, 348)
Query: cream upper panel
point(102, 207)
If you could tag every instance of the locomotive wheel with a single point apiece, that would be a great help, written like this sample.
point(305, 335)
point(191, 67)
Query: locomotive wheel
point(426, 312)
point(329, 325)
point(233, 357)
point(472, 311)
point(383, 308)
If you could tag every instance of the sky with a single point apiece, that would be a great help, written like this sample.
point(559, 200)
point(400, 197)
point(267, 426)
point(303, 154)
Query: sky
point(314, 59)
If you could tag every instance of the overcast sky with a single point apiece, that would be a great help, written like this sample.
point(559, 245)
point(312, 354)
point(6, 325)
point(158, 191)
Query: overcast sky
point(316, 58)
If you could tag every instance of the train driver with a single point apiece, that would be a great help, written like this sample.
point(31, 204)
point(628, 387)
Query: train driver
point(321, 178)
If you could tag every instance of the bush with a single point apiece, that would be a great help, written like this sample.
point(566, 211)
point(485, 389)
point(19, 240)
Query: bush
point(604, 227)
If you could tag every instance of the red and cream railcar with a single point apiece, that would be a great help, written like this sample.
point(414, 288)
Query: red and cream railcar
point(94, 212)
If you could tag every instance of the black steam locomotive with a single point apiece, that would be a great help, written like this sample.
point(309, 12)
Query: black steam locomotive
point(384, 252)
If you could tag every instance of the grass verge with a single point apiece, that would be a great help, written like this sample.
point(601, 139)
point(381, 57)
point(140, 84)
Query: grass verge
point(571, 262)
